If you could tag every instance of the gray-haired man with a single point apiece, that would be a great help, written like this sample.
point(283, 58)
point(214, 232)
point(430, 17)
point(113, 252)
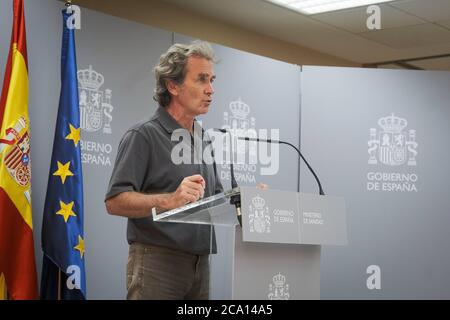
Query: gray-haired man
point(166, 260)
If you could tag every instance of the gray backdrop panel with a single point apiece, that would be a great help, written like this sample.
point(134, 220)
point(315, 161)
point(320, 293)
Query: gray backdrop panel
point(404, 233)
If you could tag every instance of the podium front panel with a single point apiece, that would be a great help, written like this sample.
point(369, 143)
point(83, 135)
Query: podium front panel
point(273, 271)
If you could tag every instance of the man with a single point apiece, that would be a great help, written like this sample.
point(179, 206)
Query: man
point(167, 260)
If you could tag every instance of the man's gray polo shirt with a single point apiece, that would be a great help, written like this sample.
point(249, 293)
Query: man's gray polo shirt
point(144, 164)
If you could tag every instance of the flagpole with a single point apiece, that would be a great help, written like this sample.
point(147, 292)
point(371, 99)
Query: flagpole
point(67, 3)
point(59, 284)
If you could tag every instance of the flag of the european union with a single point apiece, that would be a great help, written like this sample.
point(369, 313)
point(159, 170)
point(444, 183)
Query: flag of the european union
point(63, 272)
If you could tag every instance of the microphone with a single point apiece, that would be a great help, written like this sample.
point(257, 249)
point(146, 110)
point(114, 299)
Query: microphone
point(236, 199)
point(298, 151)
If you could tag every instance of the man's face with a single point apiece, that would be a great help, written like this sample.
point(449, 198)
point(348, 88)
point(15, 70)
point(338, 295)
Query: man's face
point(195, 93)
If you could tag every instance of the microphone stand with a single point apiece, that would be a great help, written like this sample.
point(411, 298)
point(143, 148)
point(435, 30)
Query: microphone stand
point(235, 199)
point(296, 149)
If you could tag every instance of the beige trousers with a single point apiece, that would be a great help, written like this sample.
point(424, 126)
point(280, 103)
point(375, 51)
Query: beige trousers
point(160, 273)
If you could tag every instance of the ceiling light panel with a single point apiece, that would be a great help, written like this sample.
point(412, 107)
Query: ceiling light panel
point(319, 6)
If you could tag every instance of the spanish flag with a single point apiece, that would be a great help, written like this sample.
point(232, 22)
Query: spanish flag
point(18, 278)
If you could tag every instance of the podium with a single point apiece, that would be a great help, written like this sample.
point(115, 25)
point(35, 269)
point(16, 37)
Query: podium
point(275, 254)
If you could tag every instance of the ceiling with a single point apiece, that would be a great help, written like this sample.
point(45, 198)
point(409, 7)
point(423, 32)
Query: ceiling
point(410, 29)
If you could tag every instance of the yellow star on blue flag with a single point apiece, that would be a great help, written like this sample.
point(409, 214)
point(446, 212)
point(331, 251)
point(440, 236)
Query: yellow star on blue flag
point(63, 171)
point(66, 210)
point(74, 134)
point(80, 246)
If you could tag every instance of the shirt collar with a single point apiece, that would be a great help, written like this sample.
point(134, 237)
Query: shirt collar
point(168, 122)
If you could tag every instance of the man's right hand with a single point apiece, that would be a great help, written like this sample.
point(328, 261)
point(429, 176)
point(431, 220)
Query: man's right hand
point(190, 189)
